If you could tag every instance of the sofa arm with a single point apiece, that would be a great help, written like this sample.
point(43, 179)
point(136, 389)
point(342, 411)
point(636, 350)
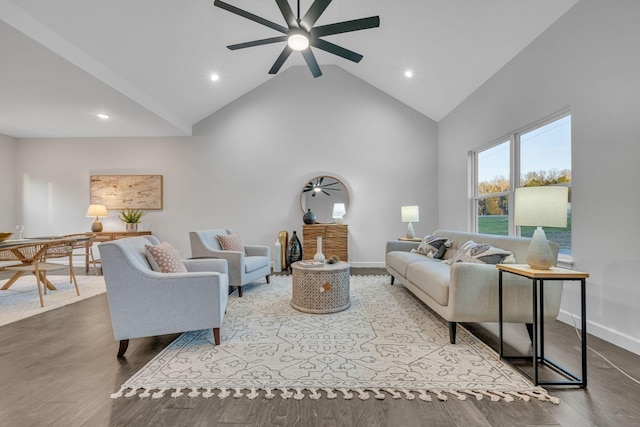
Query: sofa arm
point(206, 264)
point(256, 250)
point(401, 245)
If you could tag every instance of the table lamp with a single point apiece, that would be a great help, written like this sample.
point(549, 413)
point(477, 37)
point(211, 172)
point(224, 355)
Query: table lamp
point(338, 212)
point(541, 207)
point(97, 211)
point(410, 214)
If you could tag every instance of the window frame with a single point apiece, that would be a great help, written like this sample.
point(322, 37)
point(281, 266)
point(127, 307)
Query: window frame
point(514, 141)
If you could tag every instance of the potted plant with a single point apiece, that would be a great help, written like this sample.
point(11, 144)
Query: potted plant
point(131, 218)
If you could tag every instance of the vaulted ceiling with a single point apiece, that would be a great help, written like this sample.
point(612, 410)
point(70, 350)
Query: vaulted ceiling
point(148, 63)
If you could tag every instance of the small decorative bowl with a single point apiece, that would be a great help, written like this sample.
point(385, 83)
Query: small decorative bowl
point(4, 235)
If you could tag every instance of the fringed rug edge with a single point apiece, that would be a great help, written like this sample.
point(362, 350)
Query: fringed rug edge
point(300, 393)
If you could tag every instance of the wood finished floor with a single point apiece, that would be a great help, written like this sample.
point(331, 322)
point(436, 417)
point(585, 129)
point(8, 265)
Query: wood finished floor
point(59, 368)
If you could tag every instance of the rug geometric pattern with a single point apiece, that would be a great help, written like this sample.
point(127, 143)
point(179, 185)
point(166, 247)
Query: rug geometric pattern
point(386, 343)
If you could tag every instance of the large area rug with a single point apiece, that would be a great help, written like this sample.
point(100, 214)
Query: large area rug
point(386, 344)
point(21, 299)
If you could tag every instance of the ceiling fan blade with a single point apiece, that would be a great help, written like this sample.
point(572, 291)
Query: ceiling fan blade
point(313, 14)
point(320, 180)
point(251, 16)
point(346, 26)
point(335, 49)
point(310, 58)
point(326, 193)
point(257, 42)
point(288, 14)
point(281, 59)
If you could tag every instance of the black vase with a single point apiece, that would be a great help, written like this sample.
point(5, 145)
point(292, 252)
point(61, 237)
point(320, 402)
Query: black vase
point(309, 217)
point(294, 250)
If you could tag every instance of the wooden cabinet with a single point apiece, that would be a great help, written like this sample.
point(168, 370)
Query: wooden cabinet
point(335, 240)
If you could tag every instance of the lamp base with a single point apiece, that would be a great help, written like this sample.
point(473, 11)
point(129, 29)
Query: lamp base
point(410, 232)
point(540, 256)
point(96, 226)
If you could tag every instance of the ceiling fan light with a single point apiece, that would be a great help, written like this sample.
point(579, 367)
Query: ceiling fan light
point(298, 42)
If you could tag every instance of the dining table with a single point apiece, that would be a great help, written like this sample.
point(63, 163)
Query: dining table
point(27, 251)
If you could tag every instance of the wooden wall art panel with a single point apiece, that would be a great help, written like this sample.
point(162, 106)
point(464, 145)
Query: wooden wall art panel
point(127, 191)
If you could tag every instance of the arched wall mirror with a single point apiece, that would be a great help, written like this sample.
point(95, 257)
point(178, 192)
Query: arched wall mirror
point(320, 194)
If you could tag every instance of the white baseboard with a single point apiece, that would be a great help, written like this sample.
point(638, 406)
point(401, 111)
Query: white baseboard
point(367, 264)
point(612, 336)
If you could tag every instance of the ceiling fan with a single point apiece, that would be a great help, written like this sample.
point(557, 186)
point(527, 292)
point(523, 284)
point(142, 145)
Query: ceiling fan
point(318, 187)
point(301, 33)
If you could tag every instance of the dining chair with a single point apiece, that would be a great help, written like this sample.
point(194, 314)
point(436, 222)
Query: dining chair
point(32, 257)
point(84, 242)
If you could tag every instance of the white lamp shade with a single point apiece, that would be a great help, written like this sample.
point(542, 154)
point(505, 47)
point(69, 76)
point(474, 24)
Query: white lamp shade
point(338, 210)
point(97, 211)
point(410, 214)
point(541, 206)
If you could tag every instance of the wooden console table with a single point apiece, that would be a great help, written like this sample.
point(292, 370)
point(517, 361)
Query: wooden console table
point(335, 240)
point(106, 236)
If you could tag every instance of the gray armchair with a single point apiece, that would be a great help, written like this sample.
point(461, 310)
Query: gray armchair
point(145, 303)
point(244, 267)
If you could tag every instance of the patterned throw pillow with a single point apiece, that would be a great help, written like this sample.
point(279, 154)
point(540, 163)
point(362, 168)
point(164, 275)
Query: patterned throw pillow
point(164, 258)
point(482, 253)
point(230, 242)
point(433, 247)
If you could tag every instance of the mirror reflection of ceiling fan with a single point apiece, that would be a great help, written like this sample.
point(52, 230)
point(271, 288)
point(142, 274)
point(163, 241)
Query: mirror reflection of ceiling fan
point(301, 33)
point(319, 186)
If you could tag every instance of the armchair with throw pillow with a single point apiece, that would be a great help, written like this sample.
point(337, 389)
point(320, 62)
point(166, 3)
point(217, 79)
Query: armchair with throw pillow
point(246, 263)
point(151, 291)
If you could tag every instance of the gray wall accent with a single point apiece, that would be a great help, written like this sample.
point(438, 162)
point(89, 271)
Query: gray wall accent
point(589, 60)
point(245, 165)
point(8, 186)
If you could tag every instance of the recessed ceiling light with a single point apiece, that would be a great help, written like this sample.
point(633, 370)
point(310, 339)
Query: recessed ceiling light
point(408, 73)
point(215, 77)
point(103, 116)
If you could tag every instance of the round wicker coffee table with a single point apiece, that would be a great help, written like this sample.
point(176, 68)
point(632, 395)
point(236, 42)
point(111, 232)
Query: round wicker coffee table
point(320, 290)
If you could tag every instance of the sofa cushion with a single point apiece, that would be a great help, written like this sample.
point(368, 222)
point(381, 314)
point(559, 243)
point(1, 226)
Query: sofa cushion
point(432, 277)
point(400, 260)
point(230, 242)
point(433, 246)
point(164, 258)
point(481, 253)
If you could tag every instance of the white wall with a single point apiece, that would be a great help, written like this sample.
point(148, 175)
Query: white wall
point(589, 60)
point(246, 164)
point(8, 153)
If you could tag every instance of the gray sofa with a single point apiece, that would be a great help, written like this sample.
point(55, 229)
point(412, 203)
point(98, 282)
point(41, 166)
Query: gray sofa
point(144, 302)
point(465, 291)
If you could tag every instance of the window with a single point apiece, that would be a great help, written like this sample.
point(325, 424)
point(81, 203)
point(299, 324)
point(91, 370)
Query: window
point(535, 156)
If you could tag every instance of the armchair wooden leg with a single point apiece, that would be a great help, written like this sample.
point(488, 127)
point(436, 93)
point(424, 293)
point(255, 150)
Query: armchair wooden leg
point(239, 291)
point(393, 279)
point(268, 278)
point(124, 344)
point(216, 336)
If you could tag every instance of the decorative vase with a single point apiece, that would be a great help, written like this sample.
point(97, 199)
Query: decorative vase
point(309, 217)
point(131, 226)
point(283, 238)
point(277, 255)
point(319, 256)
point(294, 250)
